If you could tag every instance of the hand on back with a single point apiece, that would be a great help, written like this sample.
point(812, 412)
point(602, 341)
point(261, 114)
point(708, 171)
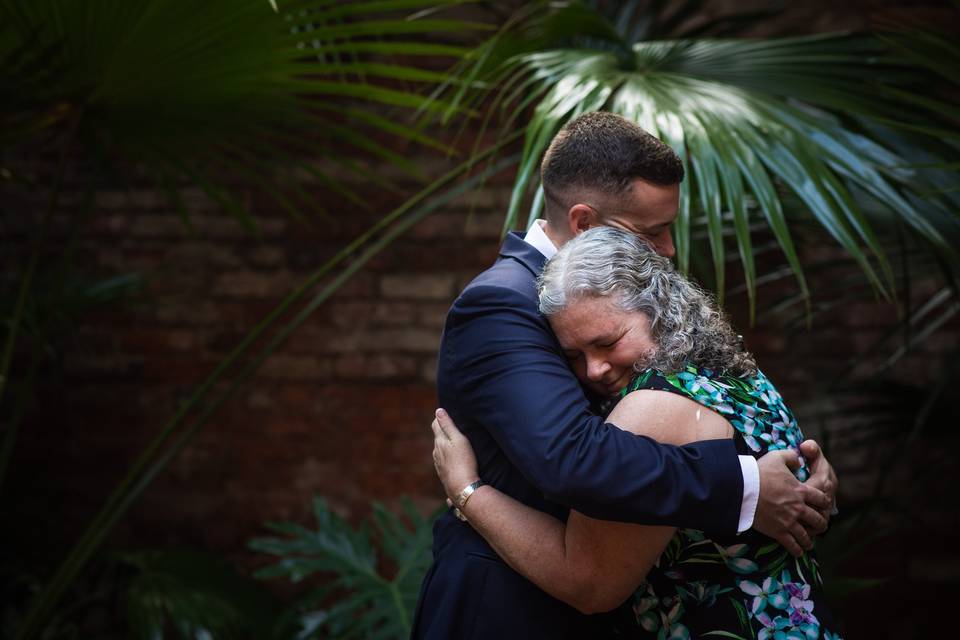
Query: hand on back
point(453, 457)
point(789, 511)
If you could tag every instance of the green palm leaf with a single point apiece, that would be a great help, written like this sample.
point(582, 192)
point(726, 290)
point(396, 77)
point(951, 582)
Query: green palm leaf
point(196, 93)
point(753, 120)
point(158, 81)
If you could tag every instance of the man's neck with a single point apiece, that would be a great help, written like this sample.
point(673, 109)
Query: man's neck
point(558, 239)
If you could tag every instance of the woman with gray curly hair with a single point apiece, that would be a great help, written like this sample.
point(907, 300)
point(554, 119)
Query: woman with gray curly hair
point(685, 324)
point(640, 335)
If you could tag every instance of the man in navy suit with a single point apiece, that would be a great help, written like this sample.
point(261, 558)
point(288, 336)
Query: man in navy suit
point(504, 379)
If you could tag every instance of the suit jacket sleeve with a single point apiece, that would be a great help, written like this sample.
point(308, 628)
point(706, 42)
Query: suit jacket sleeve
point(510, 377)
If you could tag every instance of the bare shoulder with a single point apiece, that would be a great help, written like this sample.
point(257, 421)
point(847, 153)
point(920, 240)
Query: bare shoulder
point(668, 417)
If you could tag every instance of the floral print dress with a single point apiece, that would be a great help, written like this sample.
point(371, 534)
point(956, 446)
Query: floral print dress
point(744, 586)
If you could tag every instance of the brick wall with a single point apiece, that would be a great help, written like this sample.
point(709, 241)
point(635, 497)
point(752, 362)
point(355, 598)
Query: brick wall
point(342, 409)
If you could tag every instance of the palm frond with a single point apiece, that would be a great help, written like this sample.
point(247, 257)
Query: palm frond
point(157, 82)
point(751, 119)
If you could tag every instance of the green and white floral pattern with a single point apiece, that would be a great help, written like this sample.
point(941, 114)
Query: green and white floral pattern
point(747, 587)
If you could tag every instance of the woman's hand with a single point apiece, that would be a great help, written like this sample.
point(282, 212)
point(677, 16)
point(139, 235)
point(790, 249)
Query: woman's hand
point(453, 456)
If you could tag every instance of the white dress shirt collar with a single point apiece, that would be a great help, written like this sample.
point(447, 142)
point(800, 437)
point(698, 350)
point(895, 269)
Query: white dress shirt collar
point(538, 239)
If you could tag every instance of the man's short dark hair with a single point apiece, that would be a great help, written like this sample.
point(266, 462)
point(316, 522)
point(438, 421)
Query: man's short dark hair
point(604, 152)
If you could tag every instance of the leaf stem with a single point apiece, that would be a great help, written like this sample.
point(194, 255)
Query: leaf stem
point(13, 428)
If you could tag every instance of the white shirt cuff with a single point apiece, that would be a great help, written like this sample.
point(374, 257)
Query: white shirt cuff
point(751, 492)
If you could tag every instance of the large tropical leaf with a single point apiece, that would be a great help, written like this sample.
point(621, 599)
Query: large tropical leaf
point(198, 92)
point(209, 93)
point(371, 603)
point(197, 595)
point(753, 120)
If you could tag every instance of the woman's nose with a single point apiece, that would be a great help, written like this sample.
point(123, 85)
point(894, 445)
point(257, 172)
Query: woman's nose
point(596, 368)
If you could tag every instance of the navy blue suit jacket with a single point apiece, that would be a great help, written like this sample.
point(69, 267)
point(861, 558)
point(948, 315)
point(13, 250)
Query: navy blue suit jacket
point(505, 381)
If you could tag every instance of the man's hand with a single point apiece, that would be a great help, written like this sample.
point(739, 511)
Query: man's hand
point(787, 508)
point(821, 476)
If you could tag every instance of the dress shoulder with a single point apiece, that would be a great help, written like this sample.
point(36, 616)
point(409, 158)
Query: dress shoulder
point(746, 586)
point(652, 379)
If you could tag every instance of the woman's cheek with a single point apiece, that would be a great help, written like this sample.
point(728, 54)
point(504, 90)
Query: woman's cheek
point(580, 369)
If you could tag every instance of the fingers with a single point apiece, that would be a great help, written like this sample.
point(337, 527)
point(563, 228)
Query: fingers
point(453, 458)
point(813, 520)
point(816, 498)
point(437, 460)
point(824, 479)
point(441, 421)
point(825, 483)
point(790, 544)
point(810, 450)
point(801, 536)
point(795, 540)
point(788, 457)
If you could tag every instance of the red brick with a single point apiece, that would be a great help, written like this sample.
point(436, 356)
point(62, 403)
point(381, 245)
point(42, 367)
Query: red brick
point(286, 367)
point(252, 284)
point(343, 408)
point(375, 367)
point(195, 199)
point(432, 315)
point(351, 313)
point(267, 256)
point(417, 286)
point(405, 340)
point(428, 370)
point(189, 256)
point(113, 199)
point(160, 340)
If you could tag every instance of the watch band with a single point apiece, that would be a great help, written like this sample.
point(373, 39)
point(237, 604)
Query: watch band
point(463, 496)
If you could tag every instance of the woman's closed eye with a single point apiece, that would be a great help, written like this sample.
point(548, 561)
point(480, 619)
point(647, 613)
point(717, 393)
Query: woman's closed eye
point(608, 342)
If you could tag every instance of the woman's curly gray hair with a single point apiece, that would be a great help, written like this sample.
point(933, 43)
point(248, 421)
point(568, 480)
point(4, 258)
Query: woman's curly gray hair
point(687, 325)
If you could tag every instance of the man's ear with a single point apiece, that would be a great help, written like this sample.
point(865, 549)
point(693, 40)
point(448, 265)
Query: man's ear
point(581, 217)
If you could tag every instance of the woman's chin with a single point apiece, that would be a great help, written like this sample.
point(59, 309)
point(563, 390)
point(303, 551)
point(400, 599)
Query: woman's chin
point(622, 383)
point(617, 389)
point(609, 390)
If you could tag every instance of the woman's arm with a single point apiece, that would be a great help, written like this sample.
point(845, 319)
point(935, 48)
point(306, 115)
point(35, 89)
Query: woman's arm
point(592, 565)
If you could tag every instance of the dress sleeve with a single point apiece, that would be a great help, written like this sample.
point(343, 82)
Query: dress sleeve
point(510, 377)
point(652, 379)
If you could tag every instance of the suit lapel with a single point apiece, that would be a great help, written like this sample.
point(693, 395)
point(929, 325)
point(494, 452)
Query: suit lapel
point(515, 248)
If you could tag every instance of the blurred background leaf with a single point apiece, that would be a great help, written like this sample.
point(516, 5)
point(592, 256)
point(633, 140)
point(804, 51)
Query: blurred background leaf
point(194, 595)
point(368, 597)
